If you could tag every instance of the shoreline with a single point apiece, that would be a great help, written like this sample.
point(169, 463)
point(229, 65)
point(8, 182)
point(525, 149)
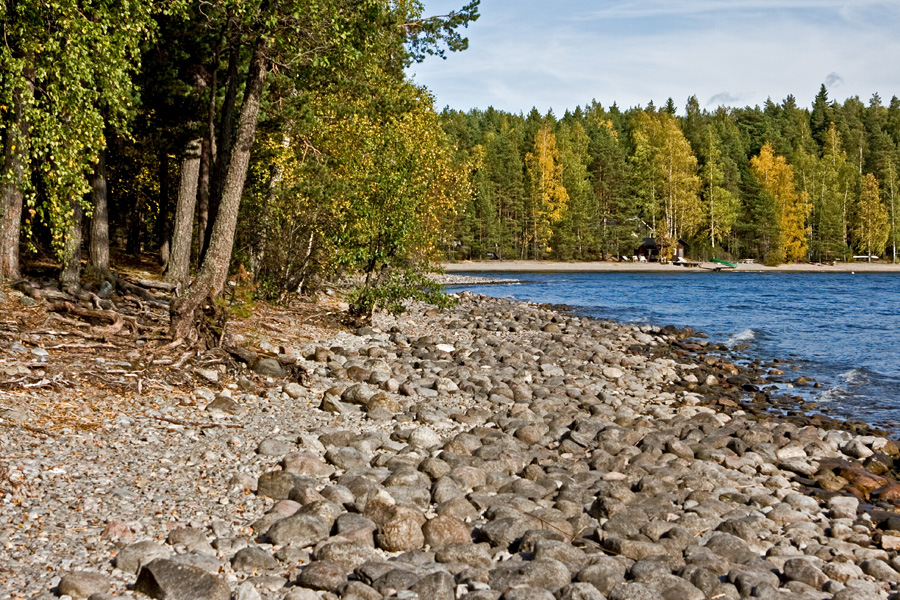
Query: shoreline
point(492, 450)
point(537, 266)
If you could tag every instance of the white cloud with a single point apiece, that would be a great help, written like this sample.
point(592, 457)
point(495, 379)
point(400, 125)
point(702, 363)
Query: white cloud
point(534, 53)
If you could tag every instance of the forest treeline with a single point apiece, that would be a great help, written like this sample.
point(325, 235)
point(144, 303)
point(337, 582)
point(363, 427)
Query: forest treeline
point(281, 136)
point(777, 183)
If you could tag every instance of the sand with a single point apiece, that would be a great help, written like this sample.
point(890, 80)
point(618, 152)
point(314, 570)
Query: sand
point(535, 266)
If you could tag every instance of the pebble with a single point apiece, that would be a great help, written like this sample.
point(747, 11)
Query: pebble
point(491, 450)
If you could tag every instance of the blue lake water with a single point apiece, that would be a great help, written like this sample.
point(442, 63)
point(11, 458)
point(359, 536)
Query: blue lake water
point(843, 330)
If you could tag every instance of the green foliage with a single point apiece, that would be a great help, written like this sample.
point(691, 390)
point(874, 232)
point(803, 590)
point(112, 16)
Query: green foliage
point(391, 288)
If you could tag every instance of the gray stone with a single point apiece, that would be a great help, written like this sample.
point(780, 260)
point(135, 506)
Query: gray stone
point(880, 570)
point(470, 554)
point(253, 559)
point(348, 554)
point(444, 530)
point(273, 448)
point(293, 389)
point(223, 406)
point(168, 580)
point(299, 530)
point(401, 534)
point(604, 576)
point(268, 367)
point(276, 484)
point(435, 586)
point(132, 557)
point(580, 591)
point(81, 584)
point(802, 570)
point(323, 575)
point(527, 593)
point(546, 573)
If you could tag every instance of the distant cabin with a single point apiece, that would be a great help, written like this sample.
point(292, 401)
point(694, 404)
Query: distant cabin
point(650, 250)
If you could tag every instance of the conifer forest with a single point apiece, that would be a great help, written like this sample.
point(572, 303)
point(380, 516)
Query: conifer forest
point(283, 141)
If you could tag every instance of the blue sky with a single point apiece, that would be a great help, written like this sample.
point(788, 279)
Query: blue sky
point(563, 53)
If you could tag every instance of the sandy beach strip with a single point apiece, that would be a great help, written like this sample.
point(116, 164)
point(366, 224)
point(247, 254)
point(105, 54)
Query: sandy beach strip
point(536, 266)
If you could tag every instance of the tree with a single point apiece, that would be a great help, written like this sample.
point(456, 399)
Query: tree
point(723, 205)
point(667, 175)
point(65, 79)
point(548, 196)
point(871, 227)
point(776, 177)
point(297, 35)
point(574, 234)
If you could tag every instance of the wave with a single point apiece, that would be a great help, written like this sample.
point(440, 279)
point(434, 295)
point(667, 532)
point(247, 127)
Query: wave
point(855, 377)
point(830, 395)
point(743, 337)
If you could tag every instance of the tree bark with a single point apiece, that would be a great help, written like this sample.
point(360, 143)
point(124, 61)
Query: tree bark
point(15, 140)
point(100, 221)
point(70, 276)
point(206, 156)
point(178, 269)
point(222, 151)
point(211, 279)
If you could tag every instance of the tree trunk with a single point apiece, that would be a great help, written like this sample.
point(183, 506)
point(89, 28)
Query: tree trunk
point(206, 156)
point(211, 279)
point(70, 276)
point(178, 269)
point(15, 140)
point(100, 221)
point(222, 163)
point(163, 228)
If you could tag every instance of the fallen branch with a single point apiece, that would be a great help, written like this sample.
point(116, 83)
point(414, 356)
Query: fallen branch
point(157, 285)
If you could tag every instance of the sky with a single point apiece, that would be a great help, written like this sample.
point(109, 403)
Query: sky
point(558, 54)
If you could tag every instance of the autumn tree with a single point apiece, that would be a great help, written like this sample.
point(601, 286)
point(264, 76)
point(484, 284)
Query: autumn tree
point(548, 197)
point(791, 208)
point(667, 177)
point(871, 227)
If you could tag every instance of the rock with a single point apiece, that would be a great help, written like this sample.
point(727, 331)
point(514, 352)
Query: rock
point(253, 559)
point(168, 580)
point(613, 372)
point(843, 507)
point(423, 437)
point(879, 569)
point(545, 573)
point(246, 591)
point(444, 530)
point(527, 593)
point(349, 554)
point(276, 484)
point(437, 586)
point(580, 591)
point(323, 575)
point(400, 534)
point(210, 375)
point(299, 530)
point(273, 448)
point(82, 584)
point(604, 575)
point(470, 554)
point(357, 394)
point(802, 570)
point(293, 389)
point(299, 593)
point(268, 367)
point(856, 449)
point(132, 557)
point(223, 406)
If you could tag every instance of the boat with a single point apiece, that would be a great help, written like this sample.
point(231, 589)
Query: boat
point(725, 263)
point(720, 265)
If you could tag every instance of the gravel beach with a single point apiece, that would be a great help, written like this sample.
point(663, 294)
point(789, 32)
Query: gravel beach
point(491, 450)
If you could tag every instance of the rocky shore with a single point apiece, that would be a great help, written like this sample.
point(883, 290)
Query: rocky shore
point(490, 451)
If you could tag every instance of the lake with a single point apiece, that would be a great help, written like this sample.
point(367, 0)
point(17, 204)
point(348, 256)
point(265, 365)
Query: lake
point(841, 329)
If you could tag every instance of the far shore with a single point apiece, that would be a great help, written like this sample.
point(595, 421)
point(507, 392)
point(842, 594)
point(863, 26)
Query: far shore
point(540, 266)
